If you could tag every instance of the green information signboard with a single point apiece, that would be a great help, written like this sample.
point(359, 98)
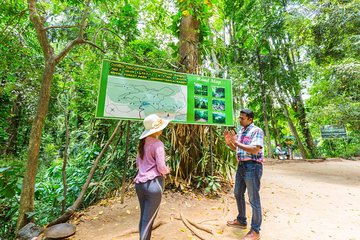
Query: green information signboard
point(333, 131)
point(130, 91)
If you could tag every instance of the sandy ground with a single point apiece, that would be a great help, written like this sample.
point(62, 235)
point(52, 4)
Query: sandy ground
point(300, 200)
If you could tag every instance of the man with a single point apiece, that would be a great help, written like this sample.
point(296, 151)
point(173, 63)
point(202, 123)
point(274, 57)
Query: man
point(249, 147)
point(279, 152)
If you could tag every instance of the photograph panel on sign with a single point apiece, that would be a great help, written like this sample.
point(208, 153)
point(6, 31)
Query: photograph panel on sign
point(201, 102)
point(200, 89)
point(201, 116)
point(218, 105)
point(218, 92)
point(219, 117)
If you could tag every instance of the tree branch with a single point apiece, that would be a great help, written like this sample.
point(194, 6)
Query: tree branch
point(83, 18)
point(80, 38)
point(51, 27)
point(70, 211)
point(94, 45)
point(192, 229)
point(11, 21)
point(109, 30)
point(38, 22)
point(72, 44)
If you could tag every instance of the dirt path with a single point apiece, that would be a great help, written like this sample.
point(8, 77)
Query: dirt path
point(301, 200)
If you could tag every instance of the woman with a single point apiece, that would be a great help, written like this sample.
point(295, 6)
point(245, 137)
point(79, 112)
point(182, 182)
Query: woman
point(149, 182)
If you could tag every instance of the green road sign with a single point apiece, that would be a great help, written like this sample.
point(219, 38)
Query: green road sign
point(333, 131)
point(130, 91)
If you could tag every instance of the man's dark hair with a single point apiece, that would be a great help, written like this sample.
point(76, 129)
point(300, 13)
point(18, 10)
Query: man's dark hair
point(248, 113)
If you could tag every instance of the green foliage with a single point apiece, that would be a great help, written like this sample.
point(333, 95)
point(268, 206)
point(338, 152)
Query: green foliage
point(146, 52)
point(336, 37)
point(126, 22)
point(345, 148)
point(11, 170)
point(337, 92)
point(335, 50)
point(210, 184)
point(304, 47)
point(17, 87)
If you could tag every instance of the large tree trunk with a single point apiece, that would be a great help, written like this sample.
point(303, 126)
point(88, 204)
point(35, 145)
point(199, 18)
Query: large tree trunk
point(300, 109)
point(63, 170)
point(189, 44)
point(266, 124)
point(295, 93)
point(263, 99)
point(51, 60)
point(28, 187)
point(298, 105)
point(123, 187)
point(188, 136)
point(275, 128)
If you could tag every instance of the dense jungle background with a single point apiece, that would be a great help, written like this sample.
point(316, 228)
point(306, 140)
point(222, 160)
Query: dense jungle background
point(295, 63)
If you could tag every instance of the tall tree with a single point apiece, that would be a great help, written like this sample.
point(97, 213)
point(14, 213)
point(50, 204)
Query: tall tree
point(189, 138)
point(51, 60)
point(334, 48)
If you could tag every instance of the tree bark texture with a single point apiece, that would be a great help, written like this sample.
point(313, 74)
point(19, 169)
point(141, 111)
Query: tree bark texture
point(300, 109)
point(123, 187)
point(28, 187)
point(263, 99)
point(275, 129)
point(189, 44)
point(266, 124)
point(63, 170)
point(298, 105)
point(187, 140)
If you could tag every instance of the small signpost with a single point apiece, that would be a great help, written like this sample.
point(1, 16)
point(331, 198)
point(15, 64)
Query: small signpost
point(333, 131)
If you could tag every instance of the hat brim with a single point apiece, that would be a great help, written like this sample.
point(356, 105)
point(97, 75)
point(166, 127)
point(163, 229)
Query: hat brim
point(154, 130)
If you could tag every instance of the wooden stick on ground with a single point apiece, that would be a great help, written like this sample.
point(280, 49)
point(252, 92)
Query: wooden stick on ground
point(192, 229)
point(200, 227)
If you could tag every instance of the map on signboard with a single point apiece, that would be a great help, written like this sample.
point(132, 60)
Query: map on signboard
point(138, 98)
point(132, 92)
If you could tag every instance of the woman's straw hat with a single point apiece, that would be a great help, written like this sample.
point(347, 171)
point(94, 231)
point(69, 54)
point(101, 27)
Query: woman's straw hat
point(153, 123)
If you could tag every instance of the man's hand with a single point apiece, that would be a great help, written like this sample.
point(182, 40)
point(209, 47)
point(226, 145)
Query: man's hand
point(230, 138)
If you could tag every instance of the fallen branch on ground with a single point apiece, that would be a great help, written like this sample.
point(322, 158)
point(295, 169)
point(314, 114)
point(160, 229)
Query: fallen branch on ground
point(192, 228)
point(197, 225)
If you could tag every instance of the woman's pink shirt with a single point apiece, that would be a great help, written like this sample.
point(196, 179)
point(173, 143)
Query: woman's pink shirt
point(153, 164)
